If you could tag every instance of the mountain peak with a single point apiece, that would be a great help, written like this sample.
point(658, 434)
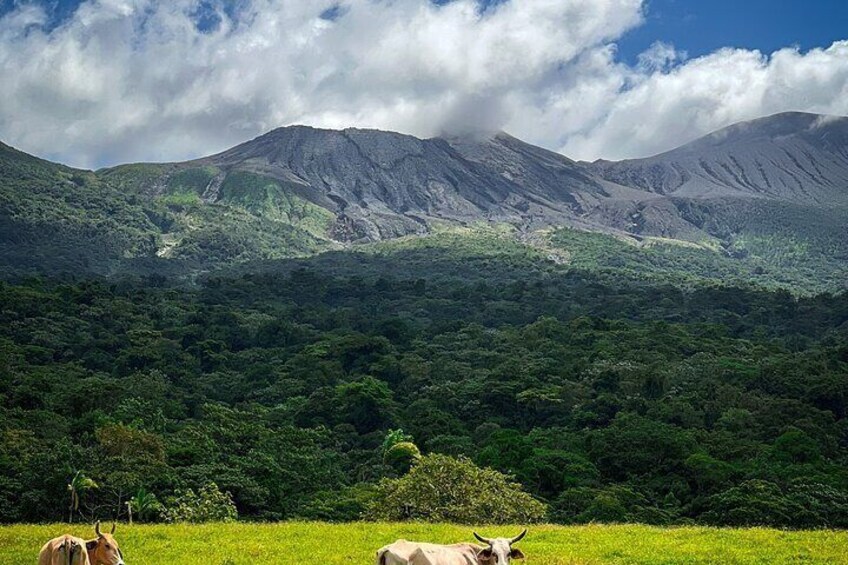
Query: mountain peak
point(794, 156)
point(769, 127)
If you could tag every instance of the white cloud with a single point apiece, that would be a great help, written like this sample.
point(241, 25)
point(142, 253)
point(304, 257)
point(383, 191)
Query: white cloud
point(136, 80)
point(661, 110)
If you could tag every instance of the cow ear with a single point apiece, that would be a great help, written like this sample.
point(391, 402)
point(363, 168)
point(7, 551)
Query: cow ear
point(516, 553)
point(484, 556)
point(90, 545)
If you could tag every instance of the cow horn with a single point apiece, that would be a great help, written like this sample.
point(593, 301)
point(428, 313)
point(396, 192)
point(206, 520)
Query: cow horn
point(482, 539)
point(97, 529)
point(114, 525)
point(519, 537)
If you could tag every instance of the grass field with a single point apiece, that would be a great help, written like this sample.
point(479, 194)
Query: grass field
point(326, 544)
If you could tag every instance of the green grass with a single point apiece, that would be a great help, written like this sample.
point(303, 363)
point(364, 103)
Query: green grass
point(313, 543)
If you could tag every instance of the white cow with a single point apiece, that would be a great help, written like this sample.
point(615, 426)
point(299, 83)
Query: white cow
point(497, 551)
point(404, 552)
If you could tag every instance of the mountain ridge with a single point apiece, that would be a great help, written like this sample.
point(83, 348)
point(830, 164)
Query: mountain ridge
point(297, 190)
point(792, 156)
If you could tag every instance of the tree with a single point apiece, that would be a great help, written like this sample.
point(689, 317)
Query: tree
point(399, 451)
point(394, 437)
point(634, 447)
point(144, 505)
point(752, 503)
point(440, 488)
point(367, 404)
point(209, 504)
point(794, 446)
point(78, 486)
point(614, 504)
point(401, 456)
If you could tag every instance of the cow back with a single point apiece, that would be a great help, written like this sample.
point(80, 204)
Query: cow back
point(64, 550)
point(404, 552)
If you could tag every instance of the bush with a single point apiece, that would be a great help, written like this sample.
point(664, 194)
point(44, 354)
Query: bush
point(144, 506)
point(440, 488)
point(756, 502)
point(614, 504)
point(345, 505)
point(752, 503)
point(401, 456)
point(207, 505)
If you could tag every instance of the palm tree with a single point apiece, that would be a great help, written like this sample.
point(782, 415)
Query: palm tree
point(77, 487)
point(143, 504)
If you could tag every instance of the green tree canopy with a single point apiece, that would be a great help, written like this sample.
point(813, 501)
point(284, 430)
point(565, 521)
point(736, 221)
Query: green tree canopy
point(440, 488)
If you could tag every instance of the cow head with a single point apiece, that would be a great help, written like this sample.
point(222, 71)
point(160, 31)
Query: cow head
point(104, 549)
point(499, 551)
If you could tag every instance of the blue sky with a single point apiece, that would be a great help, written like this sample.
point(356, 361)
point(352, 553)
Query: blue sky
point(702, 26)
point(101, 82)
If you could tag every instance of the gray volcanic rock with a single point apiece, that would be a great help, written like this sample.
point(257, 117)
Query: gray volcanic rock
point(541, 174)
point(792, 156)
point(383, 184)
point(379, 185)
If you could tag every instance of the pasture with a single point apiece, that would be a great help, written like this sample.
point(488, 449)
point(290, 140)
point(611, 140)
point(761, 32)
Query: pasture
point(295, 543)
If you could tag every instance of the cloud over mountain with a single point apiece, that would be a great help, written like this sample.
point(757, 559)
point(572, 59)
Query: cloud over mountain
point(142, 79)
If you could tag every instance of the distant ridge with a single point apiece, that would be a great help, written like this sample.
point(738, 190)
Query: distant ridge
point(792, 156)
point(298, 190)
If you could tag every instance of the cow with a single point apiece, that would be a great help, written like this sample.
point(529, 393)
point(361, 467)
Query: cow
point(404, 552)
point(104, 550)
point(64, 550)
point(498, 551)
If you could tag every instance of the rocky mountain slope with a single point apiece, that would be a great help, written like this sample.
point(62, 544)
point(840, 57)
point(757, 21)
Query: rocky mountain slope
point(379, 185)
point(794, 156)
point(775, 187)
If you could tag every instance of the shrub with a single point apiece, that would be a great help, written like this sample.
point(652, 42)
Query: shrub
point(209, 504)
point(144, 505)
point(440, 488)
point(758, 502)
point(752, 503)
point(614, 504)
point(345, 505)
point(401, 456)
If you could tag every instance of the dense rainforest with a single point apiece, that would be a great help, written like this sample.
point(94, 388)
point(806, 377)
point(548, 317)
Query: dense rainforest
point(607, 397)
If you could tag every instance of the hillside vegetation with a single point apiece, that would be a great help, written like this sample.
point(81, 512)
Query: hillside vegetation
point(311, 543)
point(606, 398)
point(59, 221)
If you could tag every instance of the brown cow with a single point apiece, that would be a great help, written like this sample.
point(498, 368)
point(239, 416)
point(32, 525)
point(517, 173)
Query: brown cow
point(104, 550)
point(64, 550)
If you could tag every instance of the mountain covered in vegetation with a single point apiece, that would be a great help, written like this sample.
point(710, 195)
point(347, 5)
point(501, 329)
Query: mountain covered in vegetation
point(768, 195)
point(301, 326)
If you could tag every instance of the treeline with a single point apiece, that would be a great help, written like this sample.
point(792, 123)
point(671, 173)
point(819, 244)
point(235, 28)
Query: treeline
point(607, 400)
